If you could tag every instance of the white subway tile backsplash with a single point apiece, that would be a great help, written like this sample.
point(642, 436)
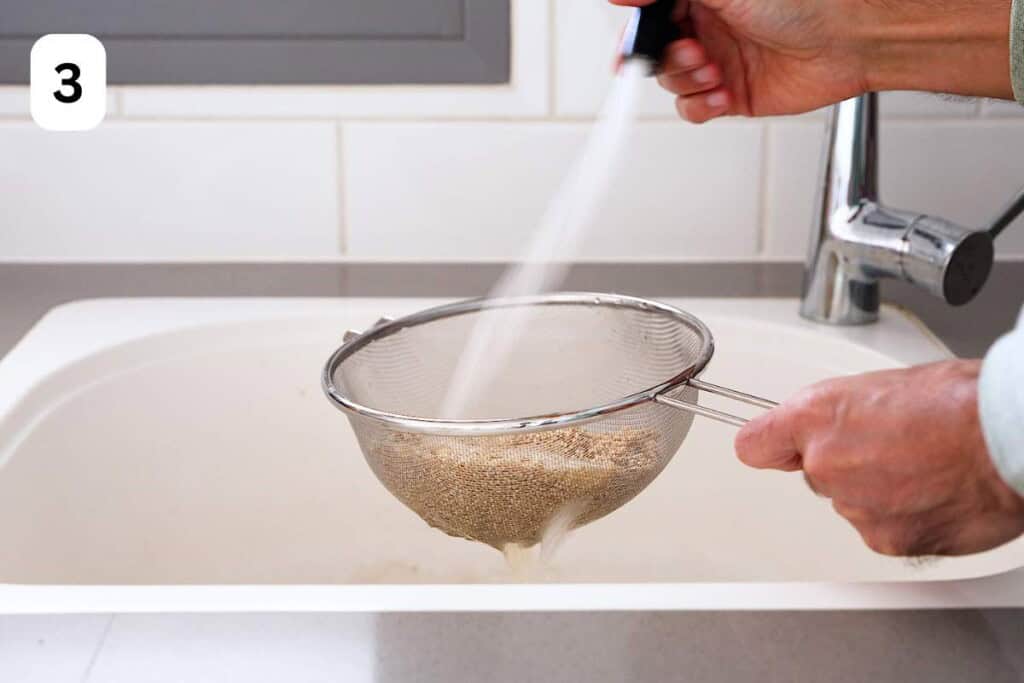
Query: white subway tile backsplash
point(587, 34)
point(464, 172)
point(461, 191)
point(793, 153)
point(170, 190)
point(905, 104)
point(450, 191)
point(963, 171)
point(526, 96)
point(1001, 109)
point(14, 102)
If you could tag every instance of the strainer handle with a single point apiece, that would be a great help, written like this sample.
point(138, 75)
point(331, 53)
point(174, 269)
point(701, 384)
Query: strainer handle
point(718, 415)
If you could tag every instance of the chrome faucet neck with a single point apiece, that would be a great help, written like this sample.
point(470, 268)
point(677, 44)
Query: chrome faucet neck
point(856, 241)
point(853, 146)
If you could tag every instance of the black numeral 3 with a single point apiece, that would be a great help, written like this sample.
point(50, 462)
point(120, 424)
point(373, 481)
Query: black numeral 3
point(71, 82)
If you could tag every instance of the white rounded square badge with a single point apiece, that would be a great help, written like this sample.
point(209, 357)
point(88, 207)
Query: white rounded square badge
point(68, 82)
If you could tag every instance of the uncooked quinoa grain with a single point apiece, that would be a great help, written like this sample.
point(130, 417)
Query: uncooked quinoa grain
point(504, 489)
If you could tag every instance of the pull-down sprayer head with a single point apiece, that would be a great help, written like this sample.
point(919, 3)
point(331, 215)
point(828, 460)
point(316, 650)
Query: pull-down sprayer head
point(650, 32)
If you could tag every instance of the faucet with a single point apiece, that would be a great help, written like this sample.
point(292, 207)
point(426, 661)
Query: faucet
point(856, 241)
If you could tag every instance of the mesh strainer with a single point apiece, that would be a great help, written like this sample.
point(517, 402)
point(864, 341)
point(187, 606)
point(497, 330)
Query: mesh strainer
point(589, 406)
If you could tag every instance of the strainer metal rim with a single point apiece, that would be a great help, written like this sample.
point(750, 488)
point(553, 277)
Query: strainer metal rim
point(482, 427)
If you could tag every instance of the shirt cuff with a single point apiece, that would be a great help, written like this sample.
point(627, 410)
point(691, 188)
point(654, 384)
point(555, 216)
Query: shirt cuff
point(1017, 49)
point(1001, 405)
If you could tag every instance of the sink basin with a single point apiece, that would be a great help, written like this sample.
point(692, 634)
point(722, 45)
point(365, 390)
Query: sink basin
point(165, 455)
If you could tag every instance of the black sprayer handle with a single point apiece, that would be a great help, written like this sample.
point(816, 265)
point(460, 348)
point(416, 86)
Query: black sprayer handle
point(650, 31)
point(1007, 215)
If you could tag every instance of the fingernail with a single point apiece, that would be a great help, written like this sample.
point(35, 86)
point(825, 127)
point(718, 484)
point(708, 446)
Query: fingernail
point(717, 100)
point(705, 75)
point(687, 56)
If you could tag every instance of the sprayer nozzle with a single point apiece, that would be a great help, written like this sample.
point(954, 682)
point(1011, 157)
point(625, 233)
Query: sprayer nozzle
point(650, 32)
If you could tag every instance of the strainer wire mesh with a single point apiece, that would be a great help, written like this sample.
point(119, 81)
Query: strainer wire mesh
point(575, 420)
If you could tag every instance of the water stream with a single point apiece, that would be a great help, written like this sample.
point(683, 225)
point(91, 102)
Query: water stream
point(543, 268)
point(555, 243)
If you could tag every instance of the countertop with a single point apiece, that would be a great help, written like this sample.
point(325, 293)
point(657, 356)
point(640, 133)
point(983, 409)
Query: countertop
point(954, 645)
point(27, 291)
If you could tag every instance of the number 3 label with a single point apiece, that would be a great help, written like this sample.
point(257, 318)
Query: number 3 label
point(69, 82)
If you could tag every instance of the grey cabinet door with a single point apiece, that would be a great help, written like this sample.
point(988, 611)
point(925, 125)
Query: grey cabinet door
point(272, 41)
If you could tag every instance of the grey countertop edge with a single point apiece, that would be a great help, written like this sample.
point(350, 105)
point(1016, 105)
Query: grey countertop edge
point(28, 290)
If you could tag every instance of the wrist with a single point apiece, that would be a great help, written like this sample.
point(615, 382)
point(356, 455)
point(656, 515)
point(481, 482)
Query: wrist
point(961, 48)
point(1008, 500)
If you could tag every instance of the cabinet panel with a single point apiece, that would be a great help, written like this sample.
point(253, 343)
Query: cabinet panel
point(272, 41)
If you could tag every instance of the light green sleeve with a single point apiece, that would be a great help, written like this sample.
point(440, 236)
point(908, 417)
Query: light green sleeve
point(1001, 405)
point(1017, 49)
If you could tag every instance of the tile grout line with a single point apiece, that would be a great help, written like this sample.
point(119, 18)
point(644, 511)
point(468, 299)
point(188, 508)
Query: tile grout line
point(763, 184)
point(118, 103)
point(552, 66)
point(642, 119)
point(87, 674)
point(341, 189)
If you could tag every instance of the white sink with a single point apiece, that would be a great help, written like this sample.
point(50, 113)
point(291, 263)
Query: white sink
point(165, 455)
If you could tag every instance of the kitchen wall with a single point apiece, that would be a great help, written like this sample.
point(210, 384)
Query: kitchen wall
point(462, 173)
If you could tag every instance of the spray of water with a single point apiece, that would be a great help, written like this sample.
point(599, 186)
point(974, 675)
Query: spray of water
point(544, 265)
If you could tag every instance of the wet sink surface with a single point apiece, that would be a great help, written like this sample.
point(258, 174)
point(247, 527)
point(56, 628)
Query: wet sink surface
point(188, 443)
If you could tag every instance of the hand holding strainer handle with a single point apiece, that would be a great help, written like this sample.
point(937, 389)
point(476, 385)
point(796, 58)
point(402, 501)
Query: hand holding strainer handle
point(718, 415)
